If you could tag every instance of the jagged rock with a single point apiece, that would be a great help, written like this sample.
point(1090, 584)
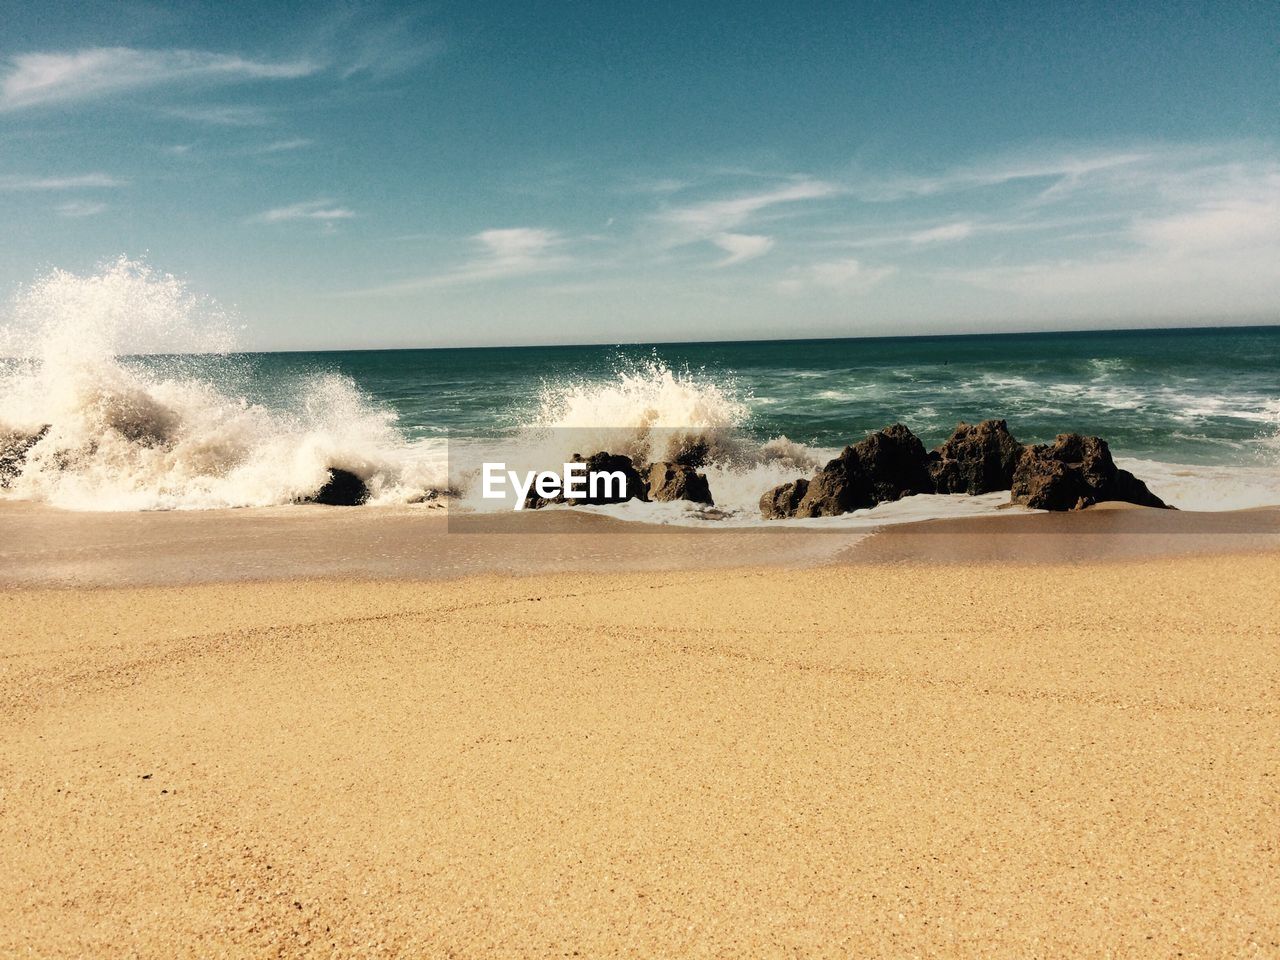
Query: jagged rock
point(781, 502)
point(894, 461)
point(888, 465)
point(342, 489)
point(1075, 472)
point(976, 459)
point(13, 452)
point(678, 481)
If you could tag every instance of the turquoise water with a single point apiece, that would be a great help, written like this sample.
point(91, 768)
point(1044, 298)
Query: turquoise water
point(1186, 396)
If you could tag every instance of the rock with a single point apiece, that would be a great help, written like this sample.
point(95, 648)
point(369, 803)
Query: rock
point(1075, 472)
point(635, 487)
point(678, 481)
point(342, 489)
point(839, 487)
point(976, 459)
point(895, 463)
point(781, 502)
point(13, 452)
point(888, 465)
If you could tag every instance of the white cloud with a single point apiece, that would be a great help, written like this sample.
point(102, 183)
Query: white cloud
point(324, 212)
point(942, 234)
point(245, 115)
point(83, 181)
point(1238, 223)
point(35, 79)
point(703, 221)
point(1212, 251)
point(80, 208)
point(283, 146)
point(846, 276)
point(741, 247)
point(501, 253)
point(1065, 169)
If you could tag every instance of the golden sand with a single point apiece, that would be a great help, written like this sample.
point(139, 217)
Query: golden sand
point(871, 760)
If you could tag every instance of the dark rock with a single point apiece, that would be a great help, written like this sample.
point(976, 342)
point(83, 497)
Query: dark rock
point(1075, 472)
point(894, 462)
point(888, 465)
point(13, 452)
point(976, 459)
point(781, 502)
point(691, 452)
point(837, 488)
point(1132, 490)
point(678, 481)
point(342, 489)
point(635, 487)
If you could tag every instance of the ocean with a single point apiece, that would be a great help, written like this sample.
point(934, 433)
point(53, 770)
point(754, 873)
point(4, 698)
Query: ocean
point(1195, 412)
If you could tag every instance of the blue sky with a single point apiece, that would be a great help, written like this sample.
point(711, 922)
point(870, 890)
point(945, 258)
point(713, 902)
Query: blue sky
point(480, 173)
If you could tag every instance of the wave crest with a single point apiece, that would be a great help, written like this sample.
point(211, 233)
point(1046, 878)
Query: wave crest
point(647, 411)
point(168, 430)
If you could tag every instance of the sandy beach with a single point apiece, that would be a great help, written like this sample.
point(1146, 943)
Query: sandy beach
point(862, 755)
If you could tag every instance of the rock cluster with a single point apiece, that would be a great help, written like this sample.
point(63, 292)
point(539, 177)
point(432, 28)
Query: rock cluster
point(666, 480)
point(977, 458)
point(1071, 473)
point(1075, 472)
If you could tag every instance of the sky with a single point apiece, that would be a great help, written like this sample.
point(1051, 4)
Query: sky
point(450, 174)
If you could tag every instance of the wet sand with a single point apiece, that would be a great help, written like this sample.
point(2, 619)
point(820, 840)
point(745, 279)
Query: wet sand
point(43, 546)
point(839, 750)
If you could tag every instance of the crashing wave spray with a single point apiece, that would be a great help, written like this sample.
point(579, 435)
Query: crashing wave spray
point(126, 372)
point(647, 411)
point(650, 412)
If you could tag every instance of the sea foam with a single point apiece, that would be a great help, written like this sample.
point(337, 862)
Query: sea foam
point(144, 407)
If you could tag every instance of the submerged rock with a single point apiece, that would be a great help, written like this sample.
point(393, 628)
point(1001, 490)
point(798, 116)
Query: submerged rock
point(342, 489)
point(678, 481)
point(976, 459)
point(13, 452)
point(781, 502)
point(1075, 472)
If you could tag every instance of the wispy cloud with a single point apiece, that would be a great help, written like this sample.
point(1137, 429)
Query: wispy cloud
point(1198, 238)
point(501, 253)
point(80, 208)
point(327, 213)
point(846, 276)
point(942, 234)
point(741, 247)
point(36, 79)
point(705, 220)
point(80, 182)
point(223, 115)
point(283, 146)
point(1063, 169)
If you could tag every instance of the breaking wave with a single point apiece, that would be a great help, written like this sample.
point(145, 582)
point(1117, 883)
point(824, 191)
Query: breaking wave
point(647, 411)
point(125, 377)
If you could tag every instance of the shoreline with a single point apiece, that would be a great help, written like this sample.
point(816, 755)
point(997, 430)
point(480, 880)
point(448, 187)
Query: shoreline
point(46, 546)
